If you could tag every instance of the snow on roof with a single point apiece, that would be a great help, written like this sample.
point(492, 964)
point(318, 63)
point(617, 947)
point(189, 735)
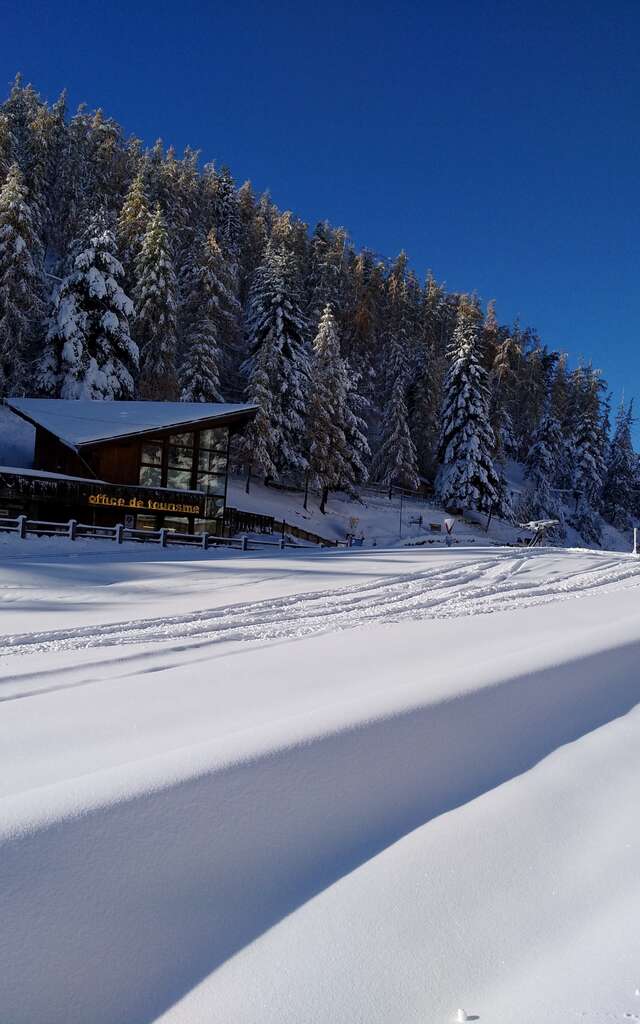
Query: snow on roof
point(45, 475)
point(85, 422)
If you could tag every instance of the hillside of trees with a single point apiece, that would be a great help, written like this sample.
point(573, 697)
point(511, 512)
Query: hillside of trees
point(128, 272)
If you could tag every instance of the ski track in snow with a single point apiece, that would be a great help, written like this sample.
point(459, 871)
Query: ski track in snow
point(491, 584)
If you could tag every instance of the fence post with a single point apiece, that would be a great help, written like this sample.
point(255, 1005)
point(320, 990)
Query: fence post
point(282, 543)
point(22, 527)
point(163, 538)
point(244, 546)
point(205, 541)
point(72, 528)
point(119, 529)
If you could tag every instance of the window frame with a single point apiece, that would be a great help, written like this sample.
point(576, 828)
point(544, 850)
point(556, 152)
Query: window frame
point(168, 441)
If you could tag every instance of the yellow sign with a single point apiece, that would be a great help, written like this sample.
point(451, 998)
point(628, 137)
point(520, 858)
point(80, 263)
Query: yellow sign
point(140, 504)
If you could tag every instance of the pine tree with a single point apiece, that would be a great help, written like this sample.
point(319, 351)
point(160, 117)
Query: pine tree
point(260, 443)
point(395, 461)
point(490, 334)
point(132, 225)
point(199, 373)
point(227, 219)
point(107, 163)
point(430, 369)
point(90, 353)
point(327, 277)
point(253, 237)
point(74, 199)
point(155, 300)
point(209, 315)
point(7, 145)
point(363, 318)
point(619, 491)
point(587, 454)
point(208, 282)
point(336, 446)
point(541, 470)
point(327, 399)
point(275, 324)
point(588, 445)
point(358, 453)
point(468, 478)
point(542, 459)
point(21, 284)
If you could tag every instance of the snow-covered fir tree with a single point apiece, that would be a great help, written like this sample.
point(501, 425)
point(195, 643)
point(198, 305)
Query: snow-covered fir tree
point(619, 494)
point(358, 453)
point(155, 324)
point(541, 464)
point(336, 444)
point(22, 290)
point(395, 460)
point(540, 500)
point(90, 352)
point(200, 372)
point(587, 456)
point(327, 275)
point(6, 146)
point(209, 316)
point(260, 443)
point(589, 442)
point(468, 477)
point(327, 401)
point(277, 329)
point(132, 225)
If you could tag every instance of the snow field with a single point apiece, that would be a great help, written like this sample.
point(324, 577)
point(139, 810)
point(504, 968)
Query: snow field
point(381, 823)
point(492, 582)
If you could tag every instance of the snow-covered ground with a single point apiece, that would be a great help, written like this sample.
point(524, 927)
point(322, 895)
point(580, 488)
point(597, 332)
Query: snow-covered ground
point(362, 786)
point(378, 520)
point(384, 523)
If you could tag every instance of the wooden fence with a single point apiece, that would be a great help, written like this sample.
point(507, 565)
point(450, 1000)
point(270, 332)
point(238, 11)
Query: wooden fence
point(73, 530)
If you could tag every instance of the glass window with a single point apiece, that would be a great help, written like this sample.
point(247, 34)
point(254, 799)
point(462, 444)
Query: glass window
point(180, 458)
point(213, 526)
point(152, 453)
point(146, 522)
point(150, 476)
point(182, 439)
point(178, 523)
point(212, 462)
point(210, 483)
point(216, 440)
point(180, 479)
point(214, 507)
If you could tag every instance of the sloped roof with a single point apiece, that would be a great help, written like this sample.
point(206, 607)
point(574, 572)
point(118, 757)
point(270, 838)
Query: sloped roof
point(85, 422)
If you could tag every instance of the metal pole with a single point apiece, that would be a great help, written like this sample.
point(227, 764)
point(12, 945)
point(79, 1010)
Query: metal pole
point(635, 540)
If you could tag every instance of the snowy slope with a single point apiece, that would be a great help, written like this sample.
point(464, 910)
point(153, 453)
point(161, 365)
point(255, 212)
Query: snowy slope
point(318, 786)
point(384, 523)
point(381, 522)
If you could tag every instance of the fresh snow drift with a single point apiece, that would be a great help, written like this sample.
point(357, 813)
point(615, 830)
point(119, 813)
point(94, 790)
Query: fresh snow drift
point(318, 786)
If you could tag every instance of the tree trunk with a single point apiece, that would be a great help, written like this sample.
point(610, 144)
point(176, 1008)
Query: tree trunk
point(325, 496)
point(248, 484)
point(306, 490)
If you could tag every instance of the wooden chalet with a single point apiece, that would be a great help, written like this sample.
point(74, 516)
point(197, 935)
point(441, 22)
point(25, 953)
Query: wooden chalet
point(143, 464)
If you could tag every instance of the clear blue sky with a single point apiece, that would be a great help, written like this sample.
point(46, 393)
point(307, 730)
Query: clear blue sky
point(498, 143)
